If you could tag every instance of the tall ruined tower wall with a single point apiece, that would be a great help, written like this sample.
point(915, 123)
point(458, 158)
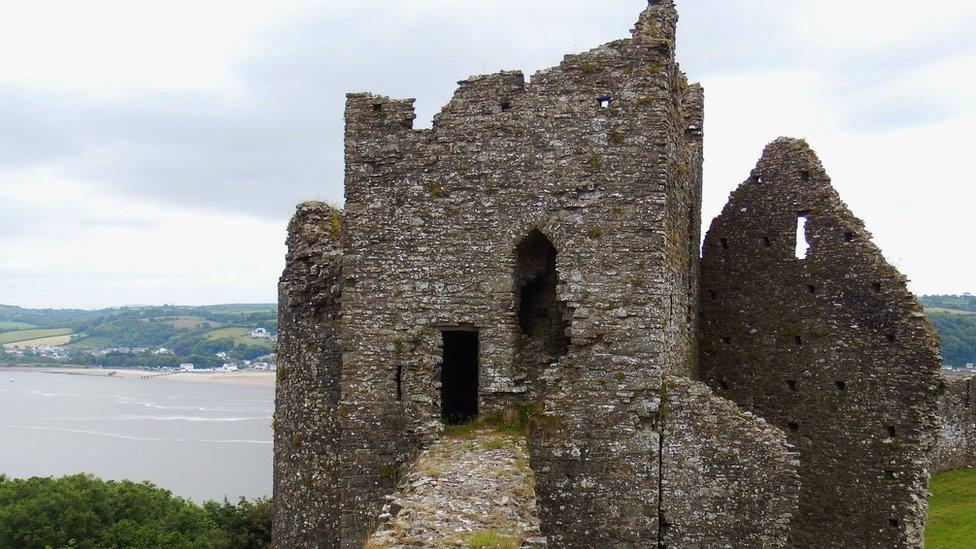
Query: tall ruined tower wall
point(593, 154)
point(306, 424)
point(831, 347)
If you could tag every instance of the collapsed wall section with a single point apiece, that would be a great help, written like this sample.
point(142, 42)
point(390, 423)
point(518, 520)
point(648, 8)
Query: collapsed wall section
point(728, 478)
point(822, 339)
point(955, 446)
point(306, 435)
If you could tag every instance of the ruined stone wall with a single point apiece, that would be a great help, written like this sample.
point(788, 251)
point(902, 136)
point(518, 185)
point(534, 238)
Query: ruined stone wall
point(831, 348)
point(955, 446)
point(594, 154)
point(306, 496)
point(728, 478)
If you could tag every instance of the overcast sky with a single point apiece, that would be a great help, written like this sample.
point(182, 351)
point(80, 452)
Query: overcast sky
point(152, 152)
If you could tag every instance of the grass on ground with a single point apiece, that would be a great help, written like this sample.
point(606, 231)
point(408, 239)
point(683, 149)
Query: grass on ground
point(952, 511)
point(492, 540)
point(27, 335)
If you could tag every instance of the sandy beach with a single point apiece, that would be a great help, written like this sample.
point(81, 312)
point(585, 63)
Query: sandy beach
point(253, 379)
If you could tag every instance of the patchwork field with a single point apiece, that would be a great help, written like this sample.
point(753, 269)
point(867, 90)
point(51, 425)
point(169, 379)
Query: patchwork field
point(31, 343)
point(24, 336)
point(6, 326)
point(179, 322)
point(952, 511)
point(949, 311)
point(239, 335)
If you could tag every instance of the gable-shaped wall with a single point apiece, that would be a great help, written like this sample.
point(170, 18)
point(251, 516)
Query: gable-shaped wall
point(831, 348)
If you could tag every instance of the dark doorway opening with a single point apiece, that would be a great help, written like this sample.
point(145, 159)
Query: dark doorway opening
point(459, 377)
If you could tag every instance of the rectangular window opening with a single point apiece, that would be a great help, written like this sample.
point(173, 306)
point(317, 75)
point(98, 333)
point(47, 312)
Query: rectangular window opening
point(802, 245)
point(459, 377)
point(605, 102)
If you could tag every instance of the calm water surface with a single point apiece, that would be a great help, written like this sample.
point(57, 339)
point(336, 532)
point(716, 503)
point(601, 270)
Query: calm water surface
point(199, 440)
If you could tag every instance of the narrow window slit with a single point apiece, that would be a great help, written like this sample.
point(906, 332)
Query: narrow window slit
point(891, 338)
point(794, 426)
point(377, 107)
point(848, 237)
point(805, 175)
point(889, 474)
point(399, 382)
point(877, 286)
point(767, 241)
point(505, 106)
point(724, 384)
point(791, 383)
point(893, 523)
point(841, 385)
point(802, 244)
point(713, 294)
point(891, 431)
point(723, 243)
point(797, 340)
point(811, 288)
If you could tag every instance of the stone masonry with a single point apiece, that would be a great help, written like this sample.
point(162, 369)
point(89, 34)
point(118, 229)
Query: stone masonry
point(955, 446)
point(826, 344)
point(536, 253)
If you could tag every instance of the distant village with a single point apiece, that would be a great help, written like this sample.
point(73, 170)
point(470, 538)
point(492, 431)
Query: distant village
point(268, 362)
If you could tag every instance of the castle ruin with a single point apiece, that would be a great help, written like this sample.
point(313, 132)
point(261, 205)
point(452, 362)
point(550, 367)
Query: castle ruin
point(537, 252)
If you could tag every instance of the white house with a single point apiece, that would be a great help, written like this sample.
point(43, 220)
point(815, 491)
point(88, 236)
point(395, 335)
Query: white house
point(260, 333)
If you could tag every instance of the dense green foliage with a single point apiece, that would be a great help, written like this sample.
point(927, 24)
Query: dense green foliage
point(954, 318)
point(958, 335)
point(83, 511)
point(952, 511)
point(246, 525)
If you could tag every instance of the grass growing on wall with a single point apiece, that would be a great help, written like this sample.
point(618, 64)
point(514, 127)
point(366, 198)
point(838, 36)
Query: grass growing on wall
point(952, 511)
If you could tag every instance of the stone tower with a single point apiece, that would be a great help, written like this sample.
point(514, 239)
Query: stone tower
point(535, 252)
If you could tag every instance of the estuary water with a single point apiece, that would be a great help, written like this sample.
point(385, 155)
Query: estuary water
point(200, 440)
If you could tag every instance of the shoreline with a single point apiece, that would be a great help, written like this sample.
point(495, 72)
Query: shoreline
point(248, 378)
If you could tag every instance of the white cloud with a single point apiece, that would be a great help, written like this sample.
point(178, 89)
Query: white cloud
point(72, 245)
point(152, 153)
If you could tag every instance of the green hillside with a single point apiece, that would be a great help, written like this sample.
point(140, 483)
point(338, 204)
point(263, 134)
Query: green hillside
point(193, 334)
point(954, 317)
point(7, 326)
